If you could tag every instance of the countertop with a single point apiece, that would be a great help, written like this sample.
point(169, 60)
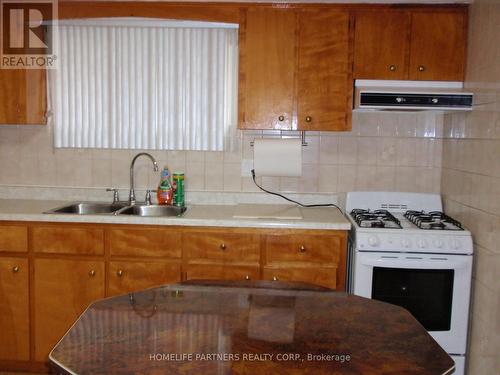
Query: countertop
point(247, 328)
point(328, 218)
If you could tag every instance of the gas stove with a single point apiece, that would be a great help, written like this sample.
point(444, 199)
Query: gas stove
point(405, 222)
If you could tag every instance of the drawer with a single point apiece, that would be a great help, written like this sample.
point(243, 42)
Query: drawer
point(14, 238)
point(221, 272)
point(68, 240)
point(125, 276)
point(222, 246)
point(303, 248)
point(149, 242)
point(324, 276)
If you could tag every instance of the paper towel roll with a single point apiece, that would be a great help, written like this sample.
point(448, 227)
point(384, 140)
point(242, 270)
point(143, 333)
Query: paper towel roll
point(277, 157)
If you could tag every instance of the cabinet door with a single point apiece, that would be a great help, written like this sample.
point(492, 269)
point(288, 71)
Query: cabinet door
point(323, 276)
point(267, 67)
point(14, 309)
point(63, 290)
point(381, 45)
point(126, 276)
point(324, 77)
point(22, 96)
point(221, 272)
point(438, 46)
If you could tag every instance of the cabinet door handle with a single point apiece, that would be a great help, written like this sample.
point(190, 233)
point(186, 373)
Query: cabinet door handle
point(421, 68)
point(92, 273)
point(247, 277)
point(15, 269)
point(119, 273)
point(222, 246)
point(281, 118)
point(302, 249)
point(275, 278)
point(392, 68)
point(308, 119)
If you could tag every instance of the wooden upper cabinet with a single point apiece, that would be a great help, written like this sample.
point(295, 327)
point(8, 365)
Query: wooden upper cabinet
point(381, 45)
point(22, 97)
point(438, 46)
point(14, 309)
point(425, 44)
point(324, 78)
point(267, 66)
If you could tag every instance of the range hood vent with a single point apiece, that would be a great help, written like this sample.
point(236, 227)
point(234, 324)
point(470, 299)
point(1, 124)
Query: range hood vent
point(411, 96)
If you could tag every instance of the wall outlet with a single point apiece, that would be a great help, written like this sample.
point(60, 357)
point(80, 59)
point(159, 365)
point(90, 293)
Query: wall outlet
point(246, 167)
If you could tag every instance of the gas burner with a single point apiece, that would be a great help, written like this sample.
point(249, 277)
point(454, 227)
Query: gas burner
point(434, 220)
point(375, 219)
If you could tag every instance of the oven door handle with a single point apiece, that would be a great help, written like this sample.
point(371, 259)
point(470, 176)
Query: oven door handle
point(438, 262)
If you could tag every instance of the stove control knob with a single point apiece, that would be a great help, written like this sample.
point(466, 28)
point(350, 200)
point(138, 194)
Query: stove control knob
point(373, 241)
point(406, 243)
point(422, 243)
point(455, 244)
point(438, 243)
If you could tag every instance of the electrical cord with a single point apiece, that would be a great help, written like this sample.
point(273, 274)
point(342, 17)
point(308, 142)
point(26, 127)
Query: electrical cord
point(291, 200)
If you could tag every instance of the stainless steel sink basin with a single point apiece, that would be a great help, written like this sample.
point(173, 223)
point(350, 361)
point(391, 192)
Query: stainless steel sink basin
point(152, 210)
point(88, 208)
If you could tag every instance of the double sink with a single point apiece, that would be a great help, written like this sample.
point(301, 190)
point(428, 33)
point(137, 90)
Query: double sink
point(97, 208)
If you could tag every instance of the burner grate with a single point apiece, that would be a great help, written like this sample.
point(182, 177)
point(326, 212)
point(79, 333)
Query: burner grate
point(434, 220)
point(375, 219)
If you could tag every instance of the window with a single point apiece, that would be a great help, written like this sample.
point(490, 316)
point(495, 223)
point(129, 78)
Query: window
point(144, 84)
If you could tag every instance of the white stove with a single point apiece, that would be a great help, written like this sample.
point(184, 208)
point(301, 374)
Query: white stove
point(405, 250)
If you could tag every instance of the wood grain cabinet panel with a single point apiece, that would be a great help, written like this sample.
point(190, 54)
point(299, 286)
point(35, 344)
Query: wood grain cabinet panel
point(63, 289)
point(267, 67)
point(222, 272)
point(14, 309)
point(222, 246)
point(324, 79)
point(14, 238)
point(438, 46)
point(127, 276)
point(324, 276)
point(149, 242)
point(381, 45)
point(65, 239)
point(303, 248)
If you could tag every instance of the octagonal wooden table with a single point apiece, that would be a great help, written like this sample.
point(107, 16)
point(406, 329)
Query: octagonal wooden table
point(247, 328)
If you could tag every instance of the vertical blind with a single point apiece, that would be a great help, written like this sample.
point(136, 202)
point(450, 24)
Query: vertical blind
point(144, 84)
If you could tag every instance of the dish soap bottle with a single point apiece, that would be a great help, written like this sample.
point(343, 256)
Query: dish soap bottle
point(165, 192)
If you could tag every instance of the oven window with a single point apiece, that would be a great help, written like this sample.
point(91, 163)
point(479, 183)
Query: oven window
point(427, 294)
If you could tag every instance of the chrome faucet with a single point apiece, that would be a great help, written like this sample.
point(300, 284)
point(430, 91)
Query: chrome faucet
point(131, 196)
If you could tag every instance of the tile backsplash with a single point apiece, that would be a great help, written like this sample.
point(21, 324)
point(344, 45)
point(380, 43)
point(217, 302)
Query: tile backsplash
point(384, 151)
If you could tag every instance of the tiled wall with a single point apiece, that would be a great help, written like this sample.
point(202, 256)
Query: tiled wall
point(385, 151)
point(471, 181)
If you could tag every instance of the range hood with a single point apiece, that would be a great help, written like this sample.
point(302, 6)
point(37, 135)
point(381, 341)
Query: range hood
point(411, 96)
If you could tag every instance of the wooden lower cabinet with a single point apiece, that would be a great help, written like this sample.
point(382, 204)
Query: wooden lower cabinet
point(130, 276)
point(324, 276)
point(63, 289)
point(14, 309)
point(222, 272)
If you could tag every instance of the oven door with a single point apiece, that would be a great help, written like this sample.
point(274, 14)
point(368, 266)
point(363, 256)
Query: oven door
point(435, 288)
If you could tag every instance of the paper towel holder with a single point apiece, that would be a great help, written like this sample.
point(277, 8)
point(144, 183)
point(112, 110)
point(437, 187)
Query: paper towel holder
point(302, 137)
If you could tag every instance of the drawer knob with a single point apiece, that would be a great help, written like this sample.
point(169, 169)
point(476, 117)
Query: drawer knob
point(421, 68)
point(92, 273)
point(308, 118)
point(119, 273)
point(247, 277)
point(223, 246)
point(275, 278)
point(302, 249)
point(15, 269)
point(281, 118)
point(392, 68)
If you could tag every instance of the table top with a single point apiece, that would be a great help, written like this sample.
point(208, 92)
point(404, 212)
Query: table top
point(247, 328)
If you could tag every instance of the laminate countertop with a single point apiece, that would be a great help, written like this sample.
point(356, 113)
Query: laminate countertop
point(273, 215)
point(246, 328)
